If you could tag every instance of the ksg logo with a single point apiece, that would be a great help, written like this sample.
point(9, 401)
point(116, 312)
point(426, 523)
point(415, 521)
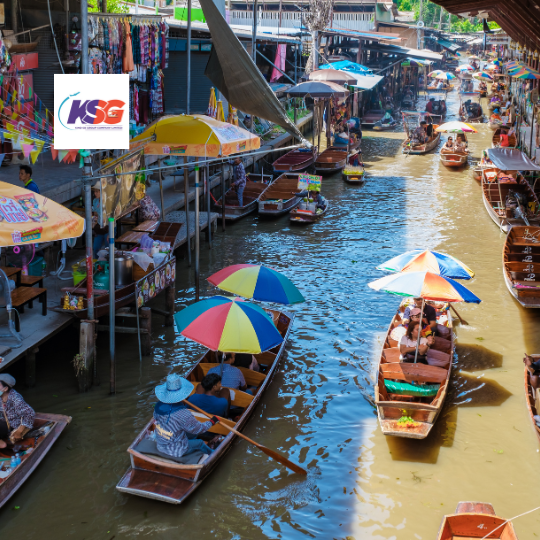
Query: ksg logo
point(96, 111)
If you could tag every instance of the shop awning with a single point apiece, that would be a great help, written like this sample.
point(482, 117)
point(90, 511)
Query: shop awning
point(448, 45)
point(420, 61)
point(365, 82)
point(396, 49)
point(511, 159)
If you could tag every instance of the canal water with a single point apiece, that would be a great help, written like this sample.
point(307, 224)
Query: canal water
point(319, 409)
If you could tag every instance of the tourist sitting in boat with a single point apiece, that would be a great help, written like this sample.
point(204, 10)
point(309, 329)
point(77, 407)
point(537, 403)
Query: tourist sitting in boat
point(176, 428)
point(483, 87)
point(231, 377)
point(449, 145)
point(247, 361)
point(419, 135)
point(534, 369)
point(430, 314)
point(18, 417)
point(211, 397)
point(461, 144)
point(440, 85)
point(409, 342)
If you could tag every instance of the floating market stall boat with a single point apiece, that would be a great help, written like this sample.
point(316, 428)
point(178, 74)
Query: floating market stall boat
point(354, 175)
point(33, 448)
point(333, 159)
point(279, 198)
point(296, 160)
point(474, 520)
point(304, 217)
point(252, 192)
point(521, 265)
point(469, 110)
point(155, 477)
point(533, 397)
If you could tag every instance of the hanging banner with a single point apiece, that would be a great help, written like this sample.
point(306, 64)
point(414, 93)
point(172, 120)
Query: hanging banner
point(91, 111)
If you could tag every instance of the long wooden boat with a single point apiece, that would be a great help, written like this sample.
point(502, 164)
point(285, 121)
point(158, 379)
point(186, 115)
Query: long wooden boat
point(305, 217)
point(233, 210)
point(521, 265)
point(422, 148)
point(333, 159)
point(354, 177)
point(34, 447)
point(532, 397)
point(453, 159)
point(494, 196)
point(278, 199)
point(396, 410)
point(496, 139)
point(475, 520)
point(463, 115)
point(381, 126)
point(296, 160)
point(372, 116)
point(169, 481)
point(477, 172)
point(445, 88)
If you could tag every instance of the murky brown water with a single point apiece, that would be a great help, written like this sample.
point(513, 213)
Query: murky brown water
point(360, 484)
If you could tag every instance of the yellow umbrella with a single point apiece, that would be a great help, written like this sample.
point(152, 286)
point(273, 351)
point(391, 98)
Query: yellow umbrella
point(212, 108)
point(233, 115)
point(195, 135)
point(220, 116)
point(27, 218)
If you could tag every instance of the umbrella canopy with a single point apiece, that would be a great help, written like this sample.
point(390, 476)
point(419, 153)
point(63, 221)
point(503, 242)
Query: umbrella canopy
point(229, 325)
point(465, 67)
point(474, 57)
point(332, 75)
point(456, 127)
point(212, 105)
point(27, 218)
point(445, 76)
point(317, 89)
point(482, 75)
point(220, 115)
point(425, 285)
point(257, 282)
point(526, 75)
point(435, 73)
point(419, 260)
point(195, 135)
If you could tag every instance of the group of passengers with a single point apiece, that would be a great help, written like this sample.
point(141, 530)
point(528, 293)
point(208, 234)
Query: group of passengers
point(459, 145)
point(422, 134)
point(176, 428)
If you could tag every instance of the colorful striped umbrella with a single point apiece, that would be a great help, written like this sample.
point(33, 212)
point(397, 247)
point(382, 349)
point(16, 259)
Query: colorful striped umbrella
point(424, 285)
point(465, 67)
point(445, 76)
point(526, 75)
point(435, 73)
point(257, 282)
point(229, 325)
point(482, 75)
point(456, 127)
point(419, 260)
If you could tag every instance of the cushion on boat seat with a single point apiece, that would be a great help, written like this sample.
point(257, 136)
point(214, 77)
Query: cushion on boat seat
point(149, 447)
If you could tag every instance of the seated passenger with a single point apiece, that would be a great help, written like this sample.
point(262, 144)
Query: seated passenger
point(18, 417)
point(247, 361)
point(496, 116)
point(504, 139)
point(533, 367)
point(449, 145)
point(430, 314)
point(231, 377)
point(211, 397)
point(408, 343)
point(461, 143)
point(419, 135)
point(429, 105)
point(440, 85)
point(176, 428)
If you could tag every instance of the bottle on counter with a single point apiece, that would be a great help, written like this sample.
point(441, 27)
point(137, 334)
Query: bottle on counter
point(13, 463)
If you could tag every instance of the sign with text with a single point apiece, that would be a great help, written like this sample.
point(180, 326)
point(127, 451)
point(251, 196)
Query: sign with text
point(91, 111)
point(311, 182)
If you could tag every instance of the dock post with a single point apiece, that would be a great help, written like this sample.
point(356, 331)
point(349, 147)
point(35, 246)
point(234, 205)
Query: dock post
point(112, 307)
point(208, 206)
point(87, 351)
point(186, 207)
point(31, 367)
point(145, 314)
point(223, 196)
point(169, 303)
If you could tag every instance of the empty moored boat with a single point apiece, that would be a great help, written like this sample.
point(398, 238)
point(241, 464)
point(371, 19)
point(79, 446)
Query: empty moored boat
point(233, 210)
point(333, 159)
point(155, 477)
point(279, 198)
point(296, 160)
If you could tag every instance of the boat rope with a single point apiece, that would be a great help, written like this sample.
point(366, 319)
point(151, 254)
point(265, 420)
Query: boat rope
point(530, 237)
point(508, 521)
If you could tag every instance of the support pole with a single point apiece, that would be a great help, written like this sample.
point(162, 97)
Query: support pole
point(254, 36)
point(418, 29)
point(112, 310)
point(84, 37)
point(315, 45)
point(161, 190)
point(296, 47)
point(223, 197)
point(14, 13)
point(186, 207)
point(208, 205)
point(419, 329)
point(197, 232)
point(188, 52)
point(532, 131)
point(169, 303)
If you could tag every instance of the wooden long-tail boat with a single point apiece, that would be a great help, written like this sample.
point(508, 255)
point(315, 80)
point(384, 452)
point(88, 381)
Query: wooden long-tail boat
point(333, 159)
point(165, 480)
point(47, 428)
point(445, 88)
point(495, 194)
point(354, 175)
point(305, 217)
point(475, 520)
point(532, 398)
point(278, 199)
point(521, 265)
point(477, 172)
point(394, 410)
point(233, 210)
point(372, 116)
point(422, 148)
point(452, 158)
point(496, 139)
point(295, 161)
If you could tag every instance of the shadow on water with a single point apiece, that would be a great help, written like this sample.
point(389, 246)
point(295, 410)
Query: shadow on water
point(472, 358)
point(530, 319)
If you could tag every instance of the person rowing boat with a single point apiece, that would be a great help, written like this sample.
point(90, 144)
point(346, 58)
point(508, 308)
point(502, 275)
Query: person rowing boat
point(17, 416)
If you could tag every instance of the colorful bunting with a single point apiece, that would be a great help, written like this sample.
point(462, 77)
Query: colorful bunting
point(39, 148)
point(62, 154)
point(54, 152)
point(27, 149)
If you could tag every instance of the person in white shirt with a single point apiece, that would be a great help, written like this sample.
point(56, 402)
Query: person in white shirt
point(407, 345)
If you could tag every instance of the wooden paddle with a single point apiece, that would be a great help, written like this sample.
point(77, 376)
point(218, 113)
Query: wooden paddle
point(461, 319)
point(273, 454)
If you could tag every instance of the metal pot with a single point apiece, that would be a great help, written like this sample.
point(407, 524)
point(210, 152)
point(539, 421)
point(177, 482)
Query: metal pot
point(123, 269)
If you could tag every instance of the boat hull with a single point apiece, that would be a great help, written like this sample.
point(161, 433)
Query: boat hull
point(354, 179)
point(294, 161)
point(331, 160)
point(454, 160)
point(423, 149)
point(297, 217)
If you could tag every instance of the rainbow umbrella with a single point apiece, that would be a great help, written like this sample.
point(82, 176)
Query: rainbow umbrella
point(424, 285)
point(228, 324)
point(456, 127)
point(437, 263)
point(257, 282)
point(465, 67)
point(482, 75)
point(435, 73)
point(526, 75)
point(445, 76)
point(497, 62)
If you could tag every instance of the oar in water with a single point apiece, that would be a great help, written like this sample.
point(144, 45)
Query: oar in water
point(461, 319)
point(272, 453)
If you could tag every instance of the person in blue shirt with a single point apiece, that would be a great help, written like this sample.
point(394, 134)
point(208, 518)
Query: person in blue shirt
point(211, 397)
point(25, 176)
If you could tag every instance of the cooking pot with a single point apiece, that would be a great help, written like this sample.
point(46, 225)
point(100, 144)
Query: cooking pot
point(123, 269)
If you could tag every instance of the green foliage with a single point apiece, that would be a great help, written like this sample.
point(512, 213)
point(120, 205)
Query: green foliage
point(431, 15)
point(113, 6)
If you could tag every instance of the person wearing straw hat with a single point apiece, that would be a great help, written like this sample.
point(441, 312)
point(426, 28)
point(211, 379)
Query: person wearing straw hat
point(17, 417)
point(176, 428)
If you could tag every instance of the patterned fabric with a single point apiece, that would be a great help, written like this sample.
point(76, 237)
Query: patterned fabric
point(149, 209)
point(239, 176)
point(173, 422)
point(231, 377)
point(18, 411)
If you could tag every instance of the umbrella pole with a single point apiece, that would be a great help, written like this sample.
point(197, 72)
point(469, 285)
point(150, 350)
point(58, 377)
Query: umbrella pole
point(161, 191)
point(197, 231)
point(208, 205)
point(186, 207)
point(419, 331)
point(223, 197)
